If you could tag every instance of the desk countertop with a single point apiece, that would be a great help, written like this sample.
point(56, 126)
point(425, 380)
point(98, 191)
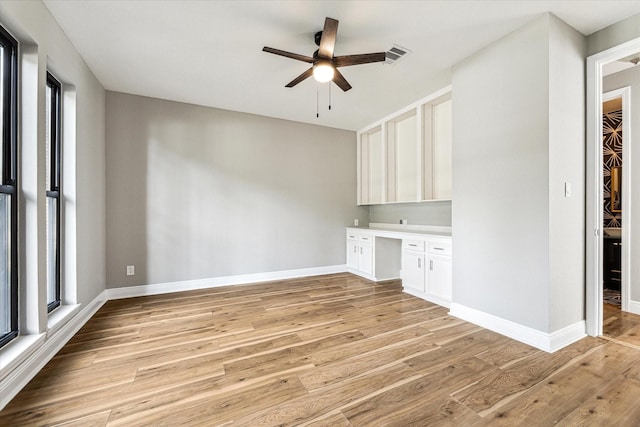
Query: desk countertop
point(393, 229)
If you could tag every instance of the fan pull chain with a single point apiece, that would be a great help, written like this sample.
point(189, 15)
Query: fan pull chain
point(317, 102)
point(329, 96)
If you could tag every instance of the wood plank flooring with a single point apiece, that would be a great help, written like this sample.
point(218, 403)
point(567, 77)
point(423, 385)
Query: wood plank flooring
point(332, 350)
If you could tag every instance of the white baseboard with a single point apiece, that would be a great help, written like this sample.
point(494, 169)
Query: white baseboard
point(540, 340)
point(431, 298)
point(215, 282)
point(634, 307)
point(35, 361)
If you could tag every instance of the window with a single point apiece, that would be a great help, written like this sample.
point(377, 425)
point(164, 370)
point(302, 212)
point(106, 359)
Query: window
point(8, 188)
point(52, 131)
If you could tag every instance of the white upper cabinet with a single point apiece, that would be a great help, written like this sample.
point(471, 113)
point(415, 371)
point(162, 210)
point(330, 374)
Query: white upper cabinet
point(406, 157)
point(371, 160)
point(403, 161)
point(442, 127)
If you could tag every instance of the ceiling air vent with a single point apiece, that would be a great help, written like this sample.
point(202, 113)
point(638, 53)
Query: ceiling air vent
point(396, 53)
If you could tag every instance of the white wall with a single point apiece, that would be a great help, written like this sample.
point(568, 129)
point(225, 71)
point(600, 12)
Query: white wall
point(631, 77)
point(518, 134)
point(196, 192)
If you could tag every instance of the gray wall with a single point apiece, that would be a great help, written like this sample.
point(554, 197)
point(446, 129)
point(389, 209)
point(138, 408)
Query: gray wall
point(567, 157)
point(506, 183)
point(631, 77)
point(613, 35)
point(428, 213)
point(196, 192)
point(84, 195)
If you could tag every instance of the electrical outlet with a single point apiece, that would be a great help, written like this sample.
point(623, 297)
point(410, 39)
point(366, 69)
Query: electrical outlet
point(355, 222)
point(404, 222)
point(131, 270)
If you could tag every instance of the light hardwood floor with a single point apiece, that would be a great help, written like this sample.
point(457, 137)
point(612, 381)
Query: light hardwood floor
point(323, 351)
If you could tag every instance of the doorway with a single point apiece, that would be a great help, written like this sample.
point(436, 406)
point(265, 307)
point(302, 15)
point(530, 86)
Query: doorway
point(615, 149)
point(595, 194)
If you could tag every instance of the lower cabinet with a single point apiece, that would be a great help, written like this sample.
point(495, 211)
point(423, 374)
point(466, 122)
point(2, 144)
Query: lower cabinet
point(360, 253)
point(413, 271)
point(422, 262)
point(427, 269)
point(439, 277)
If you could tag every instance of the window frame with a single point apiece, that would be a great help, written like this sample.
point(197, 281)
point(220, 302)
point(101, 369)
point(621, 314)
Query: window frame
point(9, 175)
point(53, 190)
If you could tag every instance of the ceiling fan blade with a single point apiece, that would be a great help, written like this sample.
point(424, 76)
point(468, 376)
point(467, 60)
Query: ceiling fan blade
point(301, 77)
point(328, 39)
point(339, 79)
point(288, 54)
point(365, 58)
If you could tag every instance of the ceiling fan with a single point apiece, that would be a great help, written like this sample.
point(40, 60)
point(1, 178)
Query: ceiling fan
point(324, 65)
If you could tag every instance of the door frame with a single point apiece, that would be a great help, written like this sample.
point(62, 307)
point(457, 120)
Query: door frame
point(594, 196)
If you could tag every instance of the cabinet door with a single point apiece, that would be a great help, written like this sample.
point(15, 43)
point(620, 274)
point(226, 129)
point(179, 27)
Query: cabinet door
point(439, 281)
point(352, 254)
point(371, 167)
point(365, 258)
point(442, 158)
point(413, 270)
point(403, 136)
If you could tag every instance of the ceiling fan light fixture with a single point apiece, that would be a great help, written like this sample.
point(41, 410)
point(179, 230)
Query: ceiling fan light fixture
point(323, 71)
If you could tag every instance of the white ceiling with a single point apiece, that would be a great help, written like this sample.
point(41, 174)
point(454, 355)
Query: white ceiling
point(209, 52)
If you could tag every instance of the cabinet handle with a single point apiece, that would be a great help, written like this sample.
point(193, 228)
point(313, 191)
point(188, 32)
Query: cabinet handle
point(438, 249)
point(419, 262)
point(360, 250)
point(355, 249)
point(411, 244)
point(431, 264)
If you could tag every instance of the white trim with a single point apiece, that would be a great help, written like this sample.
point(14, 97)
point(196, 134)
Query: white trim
point(593, 232)
point(540, 340)
point(60, 316)
point(567, 335)
point(427, 297)
point(215, 282)
point(634, 307)
point(447, 90)
point(362, 274)
point(22, 369)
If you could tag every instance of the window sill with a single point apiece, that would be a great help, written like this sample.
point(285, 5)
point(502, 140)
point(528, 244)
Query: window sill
point(60, 316)
point(17, 351)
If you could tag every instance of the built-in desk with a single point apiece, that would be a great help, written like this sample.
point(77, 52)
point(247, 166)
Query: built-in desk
point(421, 258)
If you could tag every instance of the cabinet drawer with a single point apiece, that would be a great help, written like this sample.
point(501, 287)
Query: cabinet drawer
point(365, 238)
point(441, 248)
point(413, 244)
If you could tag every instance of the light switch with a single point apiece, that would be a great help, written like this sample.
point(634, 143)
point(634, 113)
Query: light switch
point(567, 189)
